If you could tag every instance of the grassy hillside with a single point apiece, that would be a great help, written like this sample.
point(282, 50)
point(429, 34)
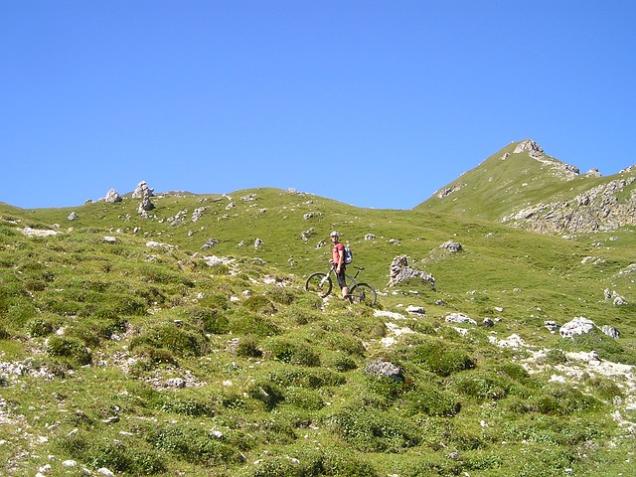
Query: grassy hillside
point(508, 181)
point(146, 360)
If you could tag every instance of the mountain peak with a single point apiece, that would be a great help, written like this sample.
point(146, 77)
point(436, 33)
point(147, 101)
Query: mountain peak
point(529, 146)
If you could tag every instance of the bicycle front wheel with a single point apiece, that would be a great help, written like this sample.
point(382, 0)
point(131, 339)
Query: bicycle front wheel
point(319, 283)
point(363, 293)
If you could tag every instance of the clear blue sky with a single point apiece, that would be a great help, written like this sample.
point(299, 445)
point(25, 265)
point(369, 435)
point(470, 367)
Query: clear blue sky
point(375, 103)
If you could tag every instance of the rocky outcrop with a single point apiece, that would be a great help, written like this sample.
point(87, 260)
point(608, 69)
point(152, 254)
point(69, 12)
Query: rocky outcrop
point(112, 197)
point(535, 151)
point(385, 369)
point(142, 190)
point(452, 246)
point(449, 190)
point(72, 216)
point(598, 209)
point(530, 147)
point(198, 212)
point(400, 271)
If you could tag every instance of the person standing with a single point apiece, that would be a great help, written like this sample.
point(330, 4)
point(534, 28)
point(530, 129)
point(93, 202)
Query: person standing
point(338, 262)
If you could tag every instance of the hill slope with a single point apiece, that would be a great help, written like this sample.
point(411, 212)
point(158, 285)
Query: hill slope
point(141, 354)
point(523, 186)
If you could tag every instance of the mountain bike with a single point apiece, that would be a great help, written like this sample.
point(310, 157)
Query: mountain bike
point(359, 292)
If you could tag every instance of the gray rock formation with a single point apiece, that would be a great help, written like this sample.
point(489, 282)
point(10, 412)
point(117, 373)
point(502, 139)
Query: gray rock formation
point(528, 146)
point(459, 318)
point(305, 235)
point(415, 310)
point(611, 331)
point(258, 243)
point(597, 209)
point(311, 215)
point(198, 212)
point(369, 237)
point(112, 197)
point(386, 369)
point(142, 190)
point(209, 243)
point(615, 298)
point(72, 216)
point(452, 246)
point(578, 326)
point(449, 190)
point(551, 326)
point(399, 271)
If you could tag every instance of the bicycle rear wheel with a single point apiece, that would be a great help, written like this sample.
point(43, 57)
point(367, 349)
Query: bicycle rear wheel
point(363, 293)
point(319, 283)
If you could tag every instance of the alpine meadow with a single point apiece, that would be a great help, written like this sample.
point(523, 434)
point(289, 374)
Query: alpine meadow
point(171, 334)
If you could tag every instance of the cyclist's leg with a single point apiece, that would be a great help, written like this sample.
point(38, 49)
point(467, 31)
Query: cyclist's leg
point(342, 282)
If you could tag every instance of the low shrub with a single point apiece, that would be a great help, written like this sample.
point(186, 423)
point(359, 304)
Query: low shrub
point(70, 348)
point(482, 385)
point(168, 336)
point(304, 399)
point(293, 353)
point(259, 304)
point(211, 320)
point(243, 324)
point(306, 377)
point(442, 359)
point(248, 347)
point(428, 399)
point(269, 394)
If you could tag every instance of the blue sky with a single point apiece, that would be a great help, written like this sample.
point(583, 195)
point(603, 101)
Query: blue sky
point(375, 103)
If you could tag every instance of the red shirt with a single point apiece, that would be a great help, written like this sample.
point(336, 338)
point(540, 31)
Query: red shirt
point(335, 253)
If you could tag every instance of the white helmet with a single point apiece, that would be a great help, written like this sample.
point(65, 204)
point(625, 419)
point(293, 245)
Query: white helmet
point(334, 234)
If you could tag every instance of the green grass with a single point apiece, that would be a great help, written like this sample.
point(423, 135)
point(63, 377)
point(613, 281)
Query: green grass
point(276, 381)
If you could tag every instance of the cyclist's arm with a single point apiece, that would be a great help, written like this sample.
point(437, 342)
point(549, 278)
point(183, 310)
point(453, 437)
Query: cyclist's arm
point(340, 260)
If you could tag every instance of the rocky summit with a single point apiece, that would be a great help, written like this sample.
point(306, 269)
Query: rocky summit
point(172, 333)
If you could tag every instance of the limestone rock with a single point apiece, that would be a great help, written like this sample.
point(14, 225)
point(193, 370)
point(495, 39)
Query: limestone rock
point(72, 216)
point(142, 190)
point(449, 190)
point(452, 246)
point(488, 323)
point(459, 318)
point(528, 146)
point(105, 472)
point(381, 368)
point(611, 331)
point(551, 326)
point(311, 215)
point(578, 326)
point(415, 310)
point(399, 271)
point(29, 232)
point(305, 235)
point(198, 212)
point(369, 237)
point(258, 243)
point(209, 243)
point(112, 197)
point(109, 239)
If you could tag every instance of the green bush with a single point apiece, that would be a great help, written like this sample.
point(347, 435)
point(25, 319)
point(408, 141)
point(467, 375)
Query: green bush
point(345, 343)
point(563, 400)
point(370, 430)
point(293, 353)
point(155, 355)
point(168, 336)
point(304, 399)
point(248, 347)
point(281, 295)
point(187, 405)
point(191, 444)
point(343, 363)
point(259, 304)
point(4, 334)
point(442, 358)
point(70, 348)
point(430, 400)
point(121, 458)
point(211, 320)
point(483, 385)
point(306, 377)
point(269, 394)
point(243, 324)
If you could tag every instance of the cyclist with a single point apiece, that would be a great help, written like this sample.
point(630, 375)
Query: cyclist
point(338, 263)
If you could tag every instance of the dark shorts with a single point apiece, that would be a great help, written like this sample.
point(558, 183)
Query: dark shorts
point(341, 278)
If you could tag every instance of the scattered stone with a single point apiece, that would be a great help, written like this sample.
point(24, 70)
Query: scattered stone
point(72, 216)
point(551, 326)
point(311, 215)
point(415, 310)
point(321, 244)
point(440, 302)
point(513, 341)
point(498, 309)
point(578, 326)
point(369, 237)
point(198, 212)
point(217, 434)
point(400, 271)
point(230, 205)
point(105, 472)
point(452, 246)
point(112, 197)
point(619, 301)
point(459, 318)
point(307, 234)
point(611, 331)
point(109, 239)
point(258, 243)
point(176, 383)
point(209, 243)
point(388, 314)
point(142, 190)
point(394, 241)
point(450, 190)
point(158, 245)
point(488, 323)
point(631, 268)
point(29, 232)
point(385, 369)
point(214, 261)
point(249, 198)
point(69, 463)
